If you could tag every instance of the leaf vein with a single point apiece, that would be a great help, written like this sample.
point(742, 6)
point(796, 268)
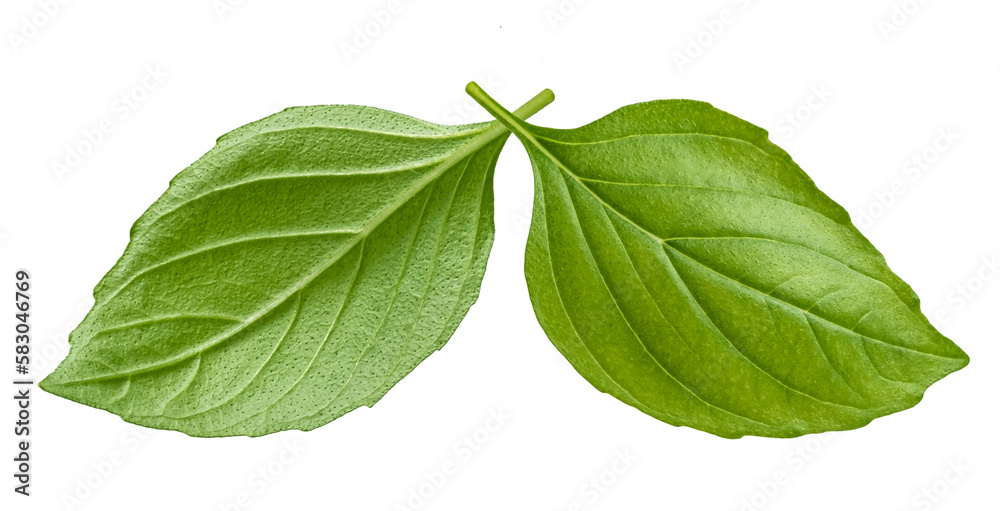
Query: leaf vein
point(716, 327)
point(793, 306)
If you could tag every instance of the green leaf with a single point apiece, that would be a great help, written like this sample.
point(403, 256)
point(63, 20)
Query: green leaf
point(294, 273)
point(688, 267)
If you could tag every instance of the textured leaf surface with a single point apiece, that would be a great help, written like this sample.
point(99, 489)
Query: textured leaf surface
point(687, 266)
point(295, 272)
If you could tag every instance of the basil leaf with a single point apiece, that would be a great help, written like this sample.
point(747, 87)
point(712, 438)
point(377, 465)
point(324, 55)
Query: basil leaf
point(294, 273)
point(688, 267)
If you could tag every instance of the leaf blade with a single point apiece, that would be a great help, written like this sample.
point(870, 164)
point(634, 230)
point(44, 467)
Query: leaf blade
point(294, 273)
point(713, 285)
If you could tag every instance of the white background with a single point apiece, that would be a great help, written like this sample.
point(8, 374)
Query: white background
point(888, 98)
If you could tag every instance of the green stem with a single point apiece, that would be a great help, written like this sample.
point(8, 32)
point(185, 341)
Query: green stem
point(513, 121)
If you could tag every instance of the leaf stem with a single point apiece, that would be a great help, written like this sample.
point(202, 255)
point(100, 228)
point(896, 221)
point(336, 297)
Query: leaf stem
point(513, 121)
point(532, 107)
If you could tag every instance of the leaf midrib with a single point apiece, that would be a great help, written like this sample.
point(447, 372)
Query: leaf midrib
point(485, 137)
point(526, 133)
